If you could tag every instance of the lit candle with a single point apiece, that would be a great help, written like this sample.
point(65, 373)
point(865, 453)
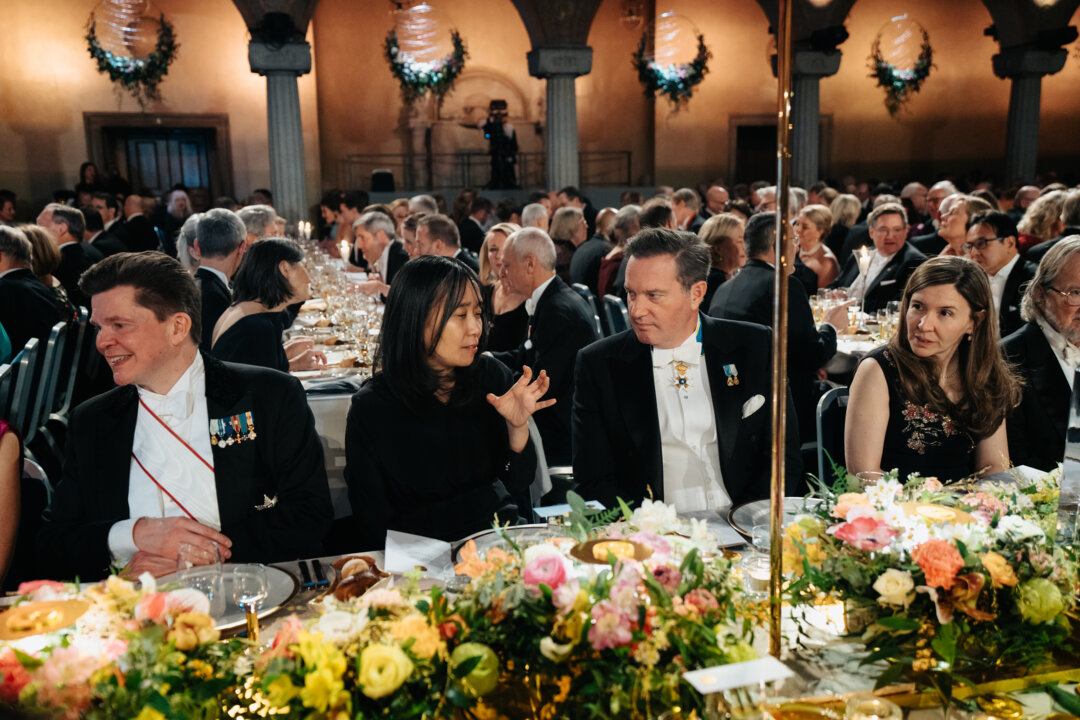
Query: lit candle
point(863, 257)
point(344, 246)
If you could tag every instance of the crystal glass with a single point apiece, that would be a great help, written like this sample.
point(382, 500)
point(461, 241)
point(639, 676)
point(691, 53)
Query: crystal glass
point(189, 556)
point(869, 707)
point(249, 587)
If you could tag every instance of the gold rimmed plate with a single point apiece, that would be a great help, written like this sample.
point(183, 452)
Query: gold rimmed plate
point(37, 618)
point(597, 551)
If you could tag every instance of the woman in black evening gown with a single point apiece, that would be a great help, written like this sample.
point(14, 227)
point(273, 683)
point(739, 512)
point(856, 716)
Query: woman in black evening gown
point(934, 399)
point(437, 442)
point(270, 278)
point(507, 320)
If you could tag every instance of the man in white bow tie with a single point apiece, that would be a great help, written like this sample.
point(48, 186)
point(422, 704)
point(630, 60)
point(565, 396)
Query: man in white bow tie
point(676, 406)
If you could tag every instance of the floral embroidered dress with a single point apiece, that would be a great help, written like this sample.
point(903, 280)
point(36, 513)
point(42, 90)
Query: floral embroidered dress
point(919, 439)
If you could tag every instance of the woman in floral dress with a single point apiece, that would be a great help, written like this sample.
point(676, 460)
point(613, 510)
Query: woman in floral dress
point(934, 399)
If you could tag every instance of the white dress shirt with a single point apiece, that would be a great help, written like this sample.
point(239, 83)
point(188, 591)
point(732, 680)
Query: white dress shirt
point(1067, 354)
point(532, 300)
point(877, 264)
point(998, 280)
point(380, 264)
point(688, 443)
point(183, 409)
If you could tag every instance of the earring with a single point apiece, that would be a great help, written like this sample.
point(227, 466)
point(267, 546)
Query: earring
point(970, 336)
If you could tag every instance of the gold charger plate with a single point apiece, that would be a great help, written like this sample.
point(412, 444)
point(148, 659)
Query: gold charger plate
point(937, 514)
point(596, 551)
point(40, 617)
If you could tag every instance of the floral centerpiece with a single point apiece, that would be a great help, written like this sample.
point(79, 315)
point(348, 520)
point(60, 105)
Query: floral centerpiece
point(536, 632)
point(129, 650)
point(945, 585)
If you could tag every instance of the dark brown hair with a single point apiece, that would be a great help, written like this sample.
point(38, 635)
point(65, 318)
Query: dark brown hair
point(989, 388)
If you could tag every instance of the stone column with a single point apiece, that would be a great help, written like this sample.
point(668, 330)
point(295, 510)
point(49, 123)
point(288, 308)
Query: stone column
point(282, 65)
point(1026, 69)
point(560, 66)
point(808, 67)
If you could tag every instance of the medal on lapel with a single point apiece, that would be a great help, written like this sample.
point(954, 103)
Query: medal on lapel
point(249, 426)
point(732, 374)
point(231, 430)
point(682, 382)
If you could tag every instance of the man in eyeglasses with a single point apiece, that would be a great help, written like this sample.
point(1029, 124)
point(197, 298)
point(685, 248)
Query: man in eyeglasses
point(1046, 354)
point(992, 242)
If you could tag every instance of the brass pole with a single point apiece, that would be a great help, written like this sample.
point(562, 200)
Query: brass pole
point(780, 320)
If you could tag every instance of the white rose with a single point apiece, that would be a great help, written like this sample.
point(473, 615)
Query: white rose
point(554, 651)
point(534, 551)
point(895, 587)
point(1015, 527)
point(340, 627)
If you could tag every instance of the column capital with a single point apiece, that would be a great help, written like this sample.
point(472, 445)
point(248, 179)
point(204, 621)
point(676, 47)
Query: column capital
point(1023, 62)
point(293, 57)
point(552, 61)
point(814, 64)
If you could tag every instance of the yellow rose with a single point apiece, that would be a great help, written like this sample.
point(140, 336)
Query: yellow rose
point(281, 691)
point(1001, 573)
point(317, 653)
point(383, 669)
point(189, 630)
point(426, 640)
point(323, 690)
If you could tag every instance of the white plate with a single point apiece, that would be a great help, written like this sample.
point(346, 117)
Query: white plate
point(527, 534)
point(282, 587)
point(744, 517)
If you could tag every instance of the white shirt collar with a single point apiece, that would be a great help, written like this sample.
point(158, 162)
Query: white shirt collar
point(217, 272)
point(383, 260)
point(1067, 354)
point(179, 402)
point(688, 351)
point(1003, 273)
point(61, 246)
point(531, 302)
point(94, 237)
point(11, 270)
point(110, 223)
point(133, 215)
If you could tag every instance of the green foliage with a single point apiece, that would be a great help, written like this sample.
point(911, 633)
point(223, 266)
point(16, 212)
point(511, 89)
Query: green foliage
point(417, 79)
point(676, 82)
point(139, 76)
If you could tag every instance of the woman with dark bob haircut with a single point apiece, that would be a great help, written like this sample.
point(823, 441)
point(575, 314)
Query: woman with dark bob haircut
point(437, 442)
point(934, 400)
point(271, 277)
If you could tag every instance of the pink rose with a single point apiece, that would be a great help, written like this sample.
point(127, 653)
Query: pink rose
point(152, 607)
point(547, 569)
point(657, 544)
point(668, 577)
point(702, 599)
point(611, 626)
point(846, 502)
point(865, 533)
point(186, 600)
point(289, 634)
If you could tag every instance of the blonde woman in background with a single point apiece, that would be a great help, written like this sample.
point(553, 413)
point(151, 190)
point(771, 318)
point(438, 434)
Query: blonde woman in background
point(812, 226)
point(723, 233)
point(1042, 220)
point(44, 259)
point(845, 209)
point(507, 319)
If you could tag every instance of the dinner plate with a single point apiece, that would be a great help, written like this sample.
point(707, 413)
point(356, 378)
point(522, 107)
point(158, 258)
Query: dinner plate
point(527, 534)
point(744, 517)
point(281, 587)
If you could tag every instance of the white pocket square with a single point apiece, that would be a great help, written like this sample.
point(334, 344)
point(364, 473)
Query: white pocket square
point(752, 405)
point(888, 282)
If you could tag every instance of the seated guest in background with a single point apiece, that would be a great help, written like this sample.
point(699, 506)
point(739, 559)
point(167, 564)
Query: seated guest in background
point(432, 383)
point(1022, 201)
point(992, 243)
point(845, 211)
point(812, 226)
point(723, 233)
point(66, 225)
point(259, 220)
point(408, 236)
point(1046, 354)
point(330, 212)
point(891, 262)
point(177, 210)
point(28, 309)
point(271, 276)
point(109, 242)
point(560, 324)
point(677, 407)
point(508, 210)
point(1042, 221)
point(859, 234)
point(462, 206)
point(1070, 219)
point(377, 242)
point(143, 461)
point(44, 259)
point(685, 203)
point(185, 242)
point(570, 196)
point(568, 231)
point(609, 279)
point(913, 198)
point(352, 207)
point(954, 219)
point(657, 213)
point(716, 200)
point(585, 264)
point(7, 207)
point(749, 297)
point(471, 228)
point(423, 204)
point(507, 320)
point(934, 399)
point(535, 215)
point(139, 234)
point(437, 235)
point(930, 242)
point(220, 242)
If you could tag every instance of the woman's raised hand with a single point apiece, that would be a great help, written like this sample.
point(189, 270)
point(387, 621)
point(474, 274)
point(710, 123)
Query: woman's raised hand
point(518, 403)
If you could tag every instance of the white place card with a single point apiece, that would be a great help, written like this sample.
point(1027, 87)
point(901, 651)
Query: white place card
point(744, 674)
point(550, 511)
point(405, 552)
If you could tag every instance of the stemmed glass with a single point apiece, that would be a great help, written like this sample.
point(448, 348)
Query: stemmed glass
point(200, 569)
point(249, 588)
point(863, 258)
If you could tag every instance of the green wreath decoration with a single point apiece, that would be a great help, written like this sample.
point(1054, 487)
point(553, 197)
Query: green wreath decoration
point(900, 85)
point(139, 76)
point(677, 82)
point(418, 78)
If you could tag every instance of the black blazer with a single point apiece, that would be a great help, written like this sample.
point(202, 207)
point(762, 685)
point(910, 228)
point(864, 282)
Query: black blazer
point(284, 461)
point(749, 297)
point(108, 243)
point(395, 261)
point(562, 324)
point(1036, 428)
point(28, 309)
point(254, 340)
point(1009, 320)
point(617, 430)
point(216, 299)
point(139, 234)
point(472, 235)
point(1034, 255)
point(929, 244)
point(585, 262)
point(468, 259)
point(889, 283)
point(75, 258)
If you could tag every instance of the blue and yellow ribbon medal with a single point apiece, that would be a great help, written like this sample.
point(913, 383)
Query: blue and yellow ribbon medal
point(732, 375)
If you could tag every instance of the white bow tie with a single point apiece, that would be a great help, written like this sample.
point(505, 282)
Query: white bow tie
point(689, 354)
point(1071, 354)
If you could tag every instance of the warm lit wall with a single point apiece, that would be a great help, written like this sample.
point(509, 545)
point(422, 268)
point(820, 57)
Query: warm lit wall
point(47, 81)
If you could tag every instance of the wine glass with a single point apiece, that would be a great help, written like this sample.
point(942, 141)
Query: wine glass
point(190, 556)
point(249, 588)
